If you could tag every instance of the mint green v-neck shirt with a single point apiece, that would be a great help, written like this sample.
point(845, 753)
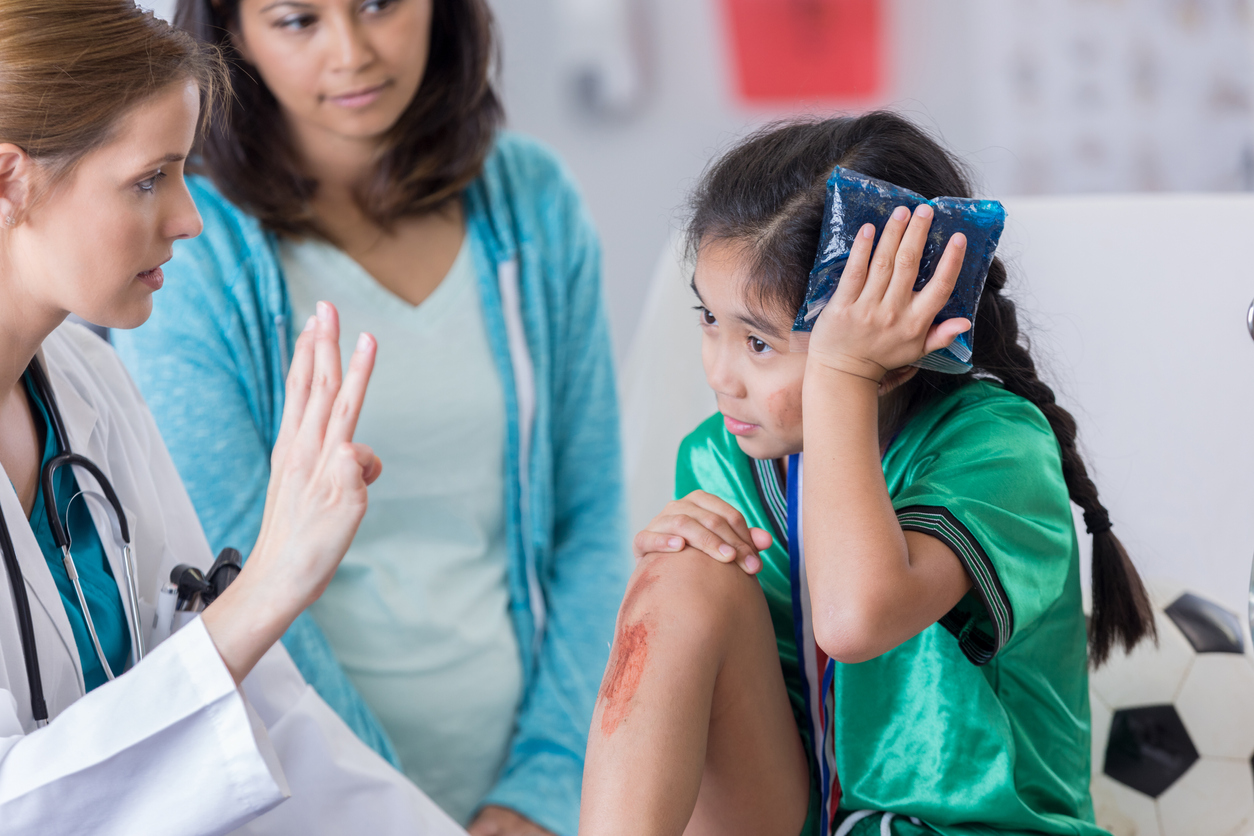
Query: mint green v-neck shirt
point(418, 613)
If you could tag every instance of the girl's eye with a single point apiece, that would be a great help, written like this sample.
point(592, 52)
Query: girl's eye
point(758, 346)
point(150, 185)
point(707, 318)
point(374, 6)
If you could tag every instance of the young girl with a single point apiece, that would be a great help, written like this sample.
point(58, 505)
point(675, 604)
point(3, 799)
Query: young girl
point(913, 657)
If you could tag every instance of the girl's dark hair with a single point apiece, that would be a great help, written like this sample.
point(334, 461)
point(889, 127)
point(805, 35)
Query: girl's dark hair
point(435, 149)
point(767, 194)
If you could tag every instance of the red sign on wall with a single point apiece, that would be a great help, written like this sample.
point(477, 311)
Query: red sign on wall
point(805, 49)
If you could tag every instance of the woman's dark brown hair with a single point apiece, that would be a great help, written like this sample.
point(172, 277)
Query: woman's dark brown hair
point(435, 149)
point(768, 193)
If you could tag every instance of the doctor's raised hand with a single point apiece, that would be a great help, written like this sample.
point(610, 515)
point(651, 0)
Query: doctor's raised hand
point(315, 501)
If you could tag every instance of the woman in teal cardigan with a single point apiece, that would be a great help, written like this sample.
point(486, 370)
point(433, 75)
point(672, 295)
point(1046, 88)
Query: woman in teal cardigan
point(465, 635)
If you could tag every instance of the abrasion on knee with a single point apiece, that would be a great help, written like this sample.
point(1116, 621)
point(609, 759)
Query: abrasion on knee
point(622, 678)
point(630, 656)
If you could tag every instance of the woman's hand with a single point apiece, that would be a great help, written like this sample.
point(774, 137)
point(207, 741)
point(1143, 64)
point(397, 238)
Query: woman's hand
point(315, 501)
point(501, 821)
point(706, 523)
point(875, 322)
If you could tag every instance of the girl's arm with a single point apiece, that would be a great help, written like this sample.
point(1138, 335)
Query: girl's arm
point(872, 586)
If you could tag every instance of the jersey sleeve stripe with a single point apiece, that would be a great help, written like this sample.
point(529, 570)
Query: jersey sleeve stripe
point(938, 522)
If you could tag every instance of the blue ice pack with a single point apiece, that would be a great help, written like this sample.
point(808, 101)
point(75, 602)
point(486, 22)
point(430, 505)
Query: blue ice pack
point(854, 200)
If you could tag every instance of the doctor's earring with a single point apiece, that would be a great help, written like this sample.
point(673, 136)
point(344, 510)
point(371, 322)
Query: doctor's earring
point(10, 221)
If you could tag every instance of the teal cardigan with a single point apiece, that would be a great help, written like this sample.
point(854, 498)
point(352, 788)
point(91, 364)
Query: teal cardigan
point(211, 364)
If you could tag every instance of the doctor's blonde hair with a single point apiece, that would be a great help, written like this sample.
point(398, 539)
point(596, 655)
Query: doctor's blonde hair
point(69, 69)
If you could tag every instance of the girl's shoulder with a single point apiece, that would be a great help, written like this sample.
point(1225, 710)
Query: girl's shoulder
point(978, 413)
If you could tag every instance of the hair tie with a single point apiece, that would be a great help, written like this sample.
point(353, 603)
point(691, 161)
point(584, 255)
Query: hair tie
point(1097, 521)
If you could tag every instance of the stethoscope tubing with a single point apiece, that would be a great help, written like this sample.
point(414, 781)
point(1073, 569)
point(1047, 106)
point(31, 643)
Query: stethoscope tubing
point(25, 626)
point(21, 601)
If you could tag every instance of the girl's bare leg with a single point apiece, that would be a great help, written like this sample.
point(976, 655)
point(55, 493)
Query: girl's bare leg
point(693, 733)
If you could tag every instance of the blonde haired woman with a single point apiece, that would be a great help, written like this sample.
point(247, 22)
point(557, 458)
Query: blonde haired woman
point(212, 728)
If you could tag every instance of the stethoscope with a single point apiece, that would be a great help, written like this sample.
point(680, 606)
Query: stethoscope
point(21, 604)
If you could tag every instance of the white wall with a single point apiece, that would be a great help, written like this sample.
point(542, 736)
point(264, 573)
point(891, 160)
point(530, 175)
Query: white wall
point(163, 8)
point(1139, 324)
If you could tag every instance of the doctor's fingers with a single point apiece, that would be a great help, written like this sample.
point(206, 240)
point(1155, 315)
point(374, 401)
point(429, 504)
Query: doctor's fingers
point(373, 470)
point(347, 406)
point(297, 396)
point(324, 387)
point(353, 466)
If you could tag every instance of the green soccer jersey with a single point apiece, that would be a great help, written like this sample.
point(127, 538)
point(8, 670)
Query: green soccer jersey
point(979, 724)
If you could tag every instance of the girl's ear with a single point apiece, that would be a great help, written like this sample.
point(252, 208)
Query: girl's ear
point(17, 171)
point(896, 378)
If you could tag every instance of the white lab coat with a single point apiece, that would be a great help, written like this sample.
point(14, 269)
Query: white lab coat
point(171, 746)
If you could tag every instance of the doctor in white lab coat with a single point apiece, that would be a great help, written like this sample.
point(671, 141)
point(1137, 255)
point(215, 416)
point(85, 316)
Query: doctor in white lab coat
point(214, 730)
point(172, 746)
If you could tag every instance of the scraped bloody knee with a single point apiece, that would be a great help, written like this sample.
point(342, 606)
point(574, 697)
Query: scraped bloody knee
point(630, 654)
point(676, 609)
point(622, 678)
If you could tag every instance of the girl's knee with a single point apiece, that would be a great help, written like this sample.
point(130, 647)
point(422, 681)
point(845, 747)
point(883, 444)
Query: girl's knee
point(690, 592)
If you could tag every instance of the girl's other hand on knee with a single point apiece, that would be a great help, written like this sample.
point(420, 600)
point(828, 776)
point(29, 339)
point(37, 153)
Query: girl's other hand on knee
point(706, 523)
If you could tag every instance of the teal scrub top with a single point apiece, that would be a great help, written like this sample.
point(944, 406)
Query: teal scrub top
point(94, 574)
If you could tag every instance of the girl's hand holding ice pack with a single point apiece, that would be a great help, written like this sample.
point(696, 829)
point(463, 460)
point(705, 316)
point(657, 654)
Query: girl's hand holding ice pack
point(854, 201)
point(876, 322)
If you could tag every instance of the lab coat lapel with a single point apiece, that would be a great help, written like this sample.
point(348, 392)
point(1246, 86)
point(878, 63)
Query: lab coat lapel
point(80, 419)
point(43, 594)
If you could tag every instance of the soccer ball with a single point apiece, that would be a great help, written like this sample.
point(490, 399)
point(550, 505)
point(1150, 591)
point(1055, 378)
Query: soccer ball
point(1173, 726)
